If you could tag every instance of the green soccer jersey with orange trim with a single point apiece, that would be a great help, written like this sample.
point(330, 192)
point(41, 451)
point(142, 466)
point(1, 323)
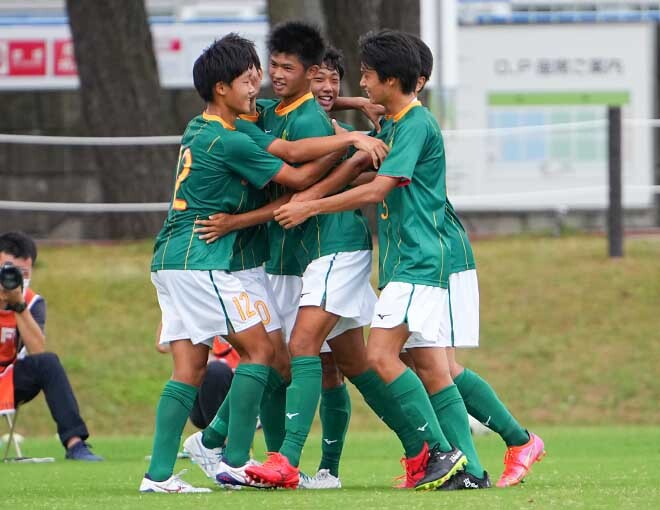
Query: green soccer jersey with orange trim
point(413, 244)
point(218, 171)
point(291, 250)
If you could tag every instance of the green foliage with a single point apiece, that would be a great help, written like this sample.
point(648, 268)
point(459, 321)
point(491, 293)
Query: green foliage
point(568, 336)
point(603, 467)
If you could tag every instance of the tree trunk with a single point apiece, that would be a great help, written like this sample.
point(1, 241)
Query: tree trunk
point(121, 96)
point(285, 10)
point(347, 20)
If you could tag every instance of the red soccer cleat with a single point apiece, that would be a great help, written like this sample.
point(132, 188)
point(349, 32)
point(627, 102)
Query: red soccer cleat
point(518, 460)
point(415, 468)
point(276, 471)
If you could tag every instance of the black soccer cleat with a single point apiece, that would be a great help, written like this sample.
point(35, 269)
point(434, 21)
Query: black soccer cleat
point(441, 467)
point(464, 480)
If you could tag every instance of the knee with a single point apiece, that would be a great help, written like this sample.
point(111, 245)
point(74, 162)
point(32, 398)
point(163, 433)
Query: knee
point(455, 369)
point(262, 353)
point(47, 358)
point(192, 375)
point(377, 361)
point(300, 346)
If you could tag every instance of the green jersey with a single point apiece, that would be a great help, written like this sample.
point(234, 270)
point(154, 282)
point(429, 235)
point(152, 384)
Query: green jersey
point(216, 171)
point(462, 257)
point(413, 246)
point(291, 250)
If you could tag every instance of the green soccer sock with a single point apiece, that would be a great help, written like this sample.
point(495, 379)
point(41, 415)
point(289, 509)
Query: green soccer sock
point(272, 409)
point(173, 410)
point(378, 398)
point(482, 402)
point(247, 390)
point(215, 435)
point(302, 397)
point(453, 418)
point(335, 412)
point(409, 391)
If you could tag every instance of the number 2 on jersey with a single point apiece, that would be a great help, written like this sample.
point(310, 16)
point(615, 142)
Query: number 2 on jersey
point(179, 204)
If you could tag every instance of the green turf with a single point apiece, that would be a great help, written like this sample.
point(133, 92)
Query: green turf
point(587, 468)
point(578, 328)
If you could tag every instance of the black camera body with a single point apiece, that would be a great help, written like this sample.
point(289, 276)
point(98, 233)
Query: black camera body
point(11, 276)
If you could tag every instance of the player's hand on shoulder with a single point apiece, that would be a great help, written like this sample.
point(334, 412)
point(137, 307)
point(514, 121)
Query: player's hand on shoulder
point(376, 148)
point(373, 112)
point(217, 226)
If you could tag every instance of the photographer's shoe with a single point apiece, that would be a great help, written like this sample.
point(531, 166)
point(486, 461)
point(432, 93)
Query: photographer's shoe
point(81, 451)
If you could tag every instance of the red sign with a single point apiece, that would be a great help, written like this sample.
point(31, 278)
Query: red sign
point(27, 58)
point(64, 58)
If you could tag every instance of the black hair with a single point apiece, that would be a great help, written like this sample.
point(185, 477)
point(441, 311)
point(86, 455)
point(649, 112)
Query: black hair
point(223, 61)
point(391, 54)
point(235, 38)
point(425, 57)
point(19, 245)
point(300, 39)
point(334, 60)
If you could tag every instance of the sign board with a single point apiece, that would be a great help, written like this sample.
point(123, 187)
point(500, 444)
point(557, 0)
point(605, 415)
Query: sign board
point(42, 57)
point(516, 76)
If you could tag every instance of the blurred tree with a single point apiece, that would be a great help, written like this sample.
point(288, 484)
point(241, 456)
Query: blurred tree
point(121, 96)
point(347, 20)
point(309, 10)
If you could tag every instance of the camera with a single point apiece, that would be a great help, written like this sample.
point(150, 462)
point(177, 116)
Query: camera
point(10, 276)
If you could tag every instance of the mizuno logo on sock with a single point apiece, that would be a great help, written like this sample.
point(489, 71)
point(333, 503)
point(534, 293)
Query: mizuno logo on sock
point(423, 427)
point(291, 415)
point(487, 421)
point(330, 441)
point(383, 315)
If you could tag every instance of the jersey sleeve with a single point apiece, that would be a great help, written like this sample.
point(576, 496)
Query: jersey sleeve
point(406, 149)
point(250, 161)
point(261, 138)
point(38, 312)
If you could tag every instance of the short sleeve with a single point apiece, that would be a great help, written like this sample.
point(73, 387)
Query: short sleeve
point(250, 161)
point(407, 144)
point(262, 139)
point(38, 311)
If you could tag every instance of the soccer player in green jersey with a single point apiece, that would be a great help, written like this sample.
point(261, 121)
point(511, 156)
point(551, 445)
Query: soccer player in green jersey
point(199, 296)
point(523, 447)
point(272, 408)
point(410, 188)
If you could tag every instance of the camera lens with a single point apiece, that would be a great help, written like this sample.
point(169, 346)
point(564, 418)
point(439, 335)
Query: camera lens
point(11, 276)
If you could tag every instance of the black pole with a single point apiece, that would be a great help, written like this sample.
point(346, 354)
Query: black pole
point(615, 210)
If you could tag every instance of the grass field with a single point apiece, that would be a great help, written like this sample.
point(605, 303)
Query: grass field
point(569, 340)
point(585, 468)
point(580, 330)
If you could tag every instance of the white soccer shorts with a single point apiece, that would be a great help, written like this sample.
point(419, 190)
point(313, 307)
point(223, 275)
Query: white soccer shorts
point(339, 283)
point(201, 305)
point(423, 308)
point(285, 290)
point(262, 300)
point(464, 301)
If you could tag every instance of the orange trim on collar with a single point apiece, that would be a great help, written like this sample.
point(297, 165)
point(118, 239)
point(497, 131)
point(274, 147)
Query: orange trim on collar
point(217, 118)
point(400, 115)
point(280, 110)
point(250, 117)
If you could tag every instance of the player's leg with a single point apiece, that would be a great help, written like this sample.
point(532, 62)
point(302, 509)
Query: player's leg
point(433, 369)
point(480, 399)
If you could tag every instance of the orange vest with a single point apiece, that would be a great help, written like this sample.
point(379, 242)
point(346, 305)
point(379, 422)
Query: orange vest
point(9, 333)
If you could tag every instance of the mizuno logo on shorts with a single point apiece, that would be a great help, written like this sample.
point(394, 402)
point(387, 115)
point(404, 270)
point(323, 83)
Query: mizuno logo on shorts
point(383, 315)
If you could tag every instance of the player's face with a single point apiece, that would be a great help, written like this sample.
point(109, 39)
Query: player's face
point(325, 87)
point(239, 94)
point(288, 75)
point(375, 89)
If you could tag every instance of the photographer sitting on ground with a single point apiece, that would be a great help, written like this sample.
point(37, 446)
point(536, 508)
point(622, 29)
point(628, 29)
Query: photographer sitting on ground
point(22, 321)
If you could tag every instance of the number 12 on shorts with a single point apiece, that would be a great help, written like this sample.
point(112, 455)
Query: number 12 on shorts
point(245, 310)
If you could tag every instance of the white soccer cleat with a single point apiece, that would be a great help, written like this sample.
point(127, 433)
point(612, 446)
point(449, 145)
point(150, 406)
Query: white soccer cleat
point(323, 479)
point(207, 459)
point(230, 477)
point(173, 485)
